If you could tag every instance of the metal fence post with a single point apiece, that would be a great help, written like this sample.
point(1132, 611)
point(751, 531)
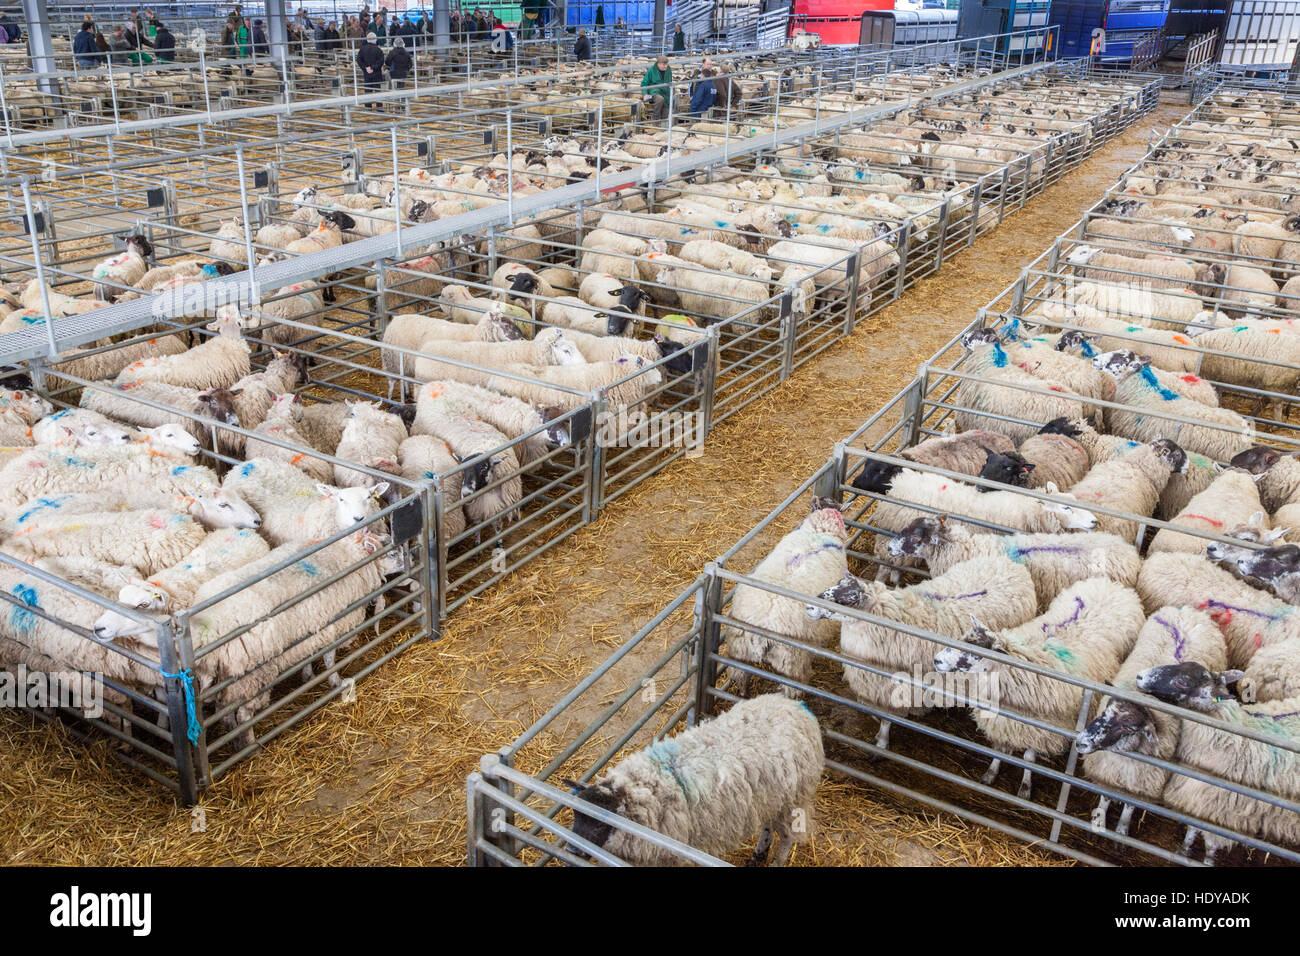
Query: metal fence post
point(599, 412)
point(708, 603)
point(852, 275)
point(787, 327)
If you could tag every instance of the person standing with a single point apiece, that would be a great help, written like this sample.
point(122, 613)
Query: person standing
point(398, 62)
point(729, 91)
point(84, 49)
point(582, 46)
point(657, 87)
point(164, 43)
point(370, 61)
point(703, 91)
point(679, 40)
point(260, 44)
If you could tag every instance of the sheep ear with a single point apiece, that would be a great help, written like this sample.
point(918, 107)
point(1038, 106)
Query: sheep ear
point(379, 489)
point(1256, 519)
point(325, 489)
point(1051, 488)
point(1270, 536)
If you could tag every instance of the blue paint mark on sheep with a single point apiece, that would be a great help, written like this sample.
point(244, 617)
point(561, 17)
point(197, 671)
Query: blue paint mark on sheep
point(665, 756)
point(180, 470)
point(1087, 350)
point(76, 462)
point(42, 504)
point(21, 620)
point(999, 356)
point(1149, 377)
point(247, 469)
point(308, 568)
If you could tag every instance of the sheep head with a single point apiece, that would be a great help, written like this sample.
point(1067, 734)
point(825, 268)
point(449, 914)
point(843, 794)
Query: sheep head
point(352, 506)
point(954, 659)
point(1123, 727)
point(140, 596)
point(1009, 468)
point(171, 435)
point(214, 507)
point(1189, 684)
point(849, 592)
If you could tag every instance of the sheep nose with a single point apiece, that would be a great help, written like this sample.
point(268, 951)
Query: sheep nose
point(257, 522)
point(101, 631)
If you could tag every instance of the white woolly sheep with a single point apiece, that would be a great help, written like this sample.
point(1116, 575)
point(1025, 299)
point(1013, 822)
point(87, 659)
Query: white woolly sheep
point(121, 272)
point(217, 363)
point(491, 486)
point(512, 417)
point(1172, 635)
point(549, 348)
point(146, 540)
point(1055, 561)
point(752, 769)
point(991, 587)
point(1229, 756)
point(1249, 618)
point(1131, 483)
point(1087, 631)
point(108, 363)
point(808, 560)
point(635, 382)
point(294, 508)
point(371, 437)
point(173, 588)
point(985, 404)
point(41, 472)
point(424, 458)
point(279, 425)
point(1224, 435)
point(1232, 499)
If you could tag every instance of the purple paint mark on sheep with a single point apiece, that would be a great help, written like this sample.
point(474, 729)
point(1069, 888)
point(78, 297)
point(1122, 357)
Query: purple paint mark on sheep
point(1180, 642)
point(1072, 619)
point(955, 597)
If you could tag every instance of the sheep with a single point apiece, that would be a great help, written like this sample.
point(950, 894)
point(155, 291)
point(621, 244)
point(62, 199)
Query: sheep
point(424, 458)
point(122, 271)
point(1247, 344)
point(1275, 243)
point(613, 294)
point(214, 405)
point(1228, 756)
point(1055, 456)
point(20, 410)
point(1131, 483)
point(246, 667)
point(173, 588)
point(635, 381)
point(1008, 509)
point(1250, 619)
point(570, 312)
point(1230, 500)
point(611, 254)
point(1280, 484)
point(549, 348)
point(217, 363)
point(964, 453)
point(278, 235)
point(754, 768)
point(1153, 272)
point(461, 305)
point(984, 404)
point(328, 235)
point(107, 364)
point(200, 498)
point(1170, 351)
point(1059, 368)
point(268, 322)
point(808, 560)
point(1225, 433)
point(295, 509)
point(709, 296)
point(520, 282)
point(1055, 561)
point(720, 257)
point(39, 472)
point(491, 485)
point(279, 425)
point(371, 438)
point(256, 392)
point(321, 423)
point(78, 426)
point(512, 417)
point(228, 244)
point(1167, 310)
point(991, 586)
point(1242, 287)
point(560, 280)
point(1172, 635)
point(146, 540)
point(1154, 235)
point(1087, 632)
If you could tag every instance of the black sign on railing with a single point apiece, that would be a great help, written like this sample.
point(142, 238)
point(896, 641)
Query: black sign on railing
point(155, 196)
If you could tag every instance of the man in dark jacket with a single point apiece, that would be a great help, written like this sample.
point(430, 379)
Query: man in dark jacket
point(164, 44)
point(13, 31)
point(679, 40)
point(398, 62)
point(260, 45)
point(370, 61)
point(582, 46)
point(332, 39)
point(83, 47)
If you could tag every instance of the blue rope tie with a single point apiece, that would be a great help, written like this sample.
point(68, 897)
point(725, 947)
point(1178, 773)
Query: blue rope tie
point(193, 729)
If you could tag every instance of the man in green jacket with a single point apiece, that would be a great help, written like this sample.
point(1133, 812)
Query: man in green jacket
point(657, 87)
